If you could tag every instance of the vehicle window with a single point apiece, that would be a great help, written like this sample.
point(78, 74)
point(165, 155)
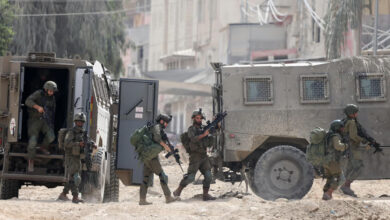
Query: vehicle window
point(314, 89)
point(258, 90)
point(371, 87)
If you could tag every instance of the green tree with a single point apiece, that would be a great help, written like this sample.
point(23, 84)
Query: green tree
point(341, 16)
point(6, 19)
point(92, 36)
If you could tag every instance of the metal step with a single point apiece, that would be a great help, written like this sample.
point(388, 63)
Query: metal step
point(40, 178)
point(50, 156)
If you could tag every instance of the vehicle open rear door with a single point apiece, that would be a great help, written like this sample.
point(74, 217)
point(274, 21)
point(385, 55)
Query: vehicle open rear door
point(137, 107)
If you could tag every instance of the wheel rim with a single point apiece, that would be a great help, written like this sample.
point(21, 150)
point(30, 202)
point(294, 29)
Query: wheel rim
point(285, 174)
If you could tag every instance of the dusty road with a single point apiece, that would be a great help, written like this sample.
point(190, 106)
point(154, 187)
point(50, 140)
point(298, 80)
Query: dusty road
point(40, 203)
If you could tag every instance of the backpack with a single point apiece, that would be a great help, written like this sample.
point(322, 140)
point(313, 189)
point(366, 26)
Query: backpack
point(316, 152)
point(144, 145)
point(185, 140)
point(61, 137)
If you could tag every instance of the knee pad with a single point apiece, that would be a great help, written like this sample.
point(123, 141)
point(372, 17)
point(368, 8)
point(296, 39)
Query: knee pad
point(208, 177)
point(77, 179)
point(163, 178)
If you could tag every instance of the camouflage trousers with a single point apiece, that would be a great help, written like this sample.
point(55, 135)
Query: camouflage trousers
point(151, 167)
point(201, 163)
point(354, 165)
point(333, 175)
point(73, 166)
point(36, 126)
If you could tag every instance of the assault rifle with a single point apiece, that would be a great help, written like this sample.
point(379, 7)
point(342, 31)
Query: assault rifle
point(371, 141)
point(174, 152)
point(88, 149)
point(212, 126)
point(48, 116)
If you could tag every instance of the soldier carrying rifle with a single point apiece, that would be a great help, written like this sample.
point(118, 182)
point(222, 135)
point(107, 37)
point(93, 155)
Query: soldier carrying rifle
point(41, 108)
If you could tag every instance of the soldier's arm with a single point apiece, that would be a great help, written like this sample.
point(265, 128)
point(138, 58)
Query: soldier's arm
point(338, 145)
point(70, 144)
point(353, 133)
point(31, 100)
point(156, 134)
point(193, 137)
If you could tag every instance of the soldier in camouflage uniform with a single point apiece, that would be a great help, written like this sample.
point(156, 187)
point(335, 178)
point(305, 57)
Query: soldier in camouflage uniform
point(153, 166)
point(333, 171)
point(73, 144)
point(355, 162)
point(199, 160)
point(41, 107)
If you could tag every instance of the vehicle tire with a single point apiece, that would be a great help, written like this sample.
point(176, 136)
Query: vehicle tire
point(94, 181)
point(111, 193)
point(282, 172)
point(9, 189)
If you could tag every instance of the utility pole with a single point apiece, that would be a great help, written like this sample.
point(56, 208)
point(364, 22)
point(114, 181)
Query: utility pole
point(376, 28)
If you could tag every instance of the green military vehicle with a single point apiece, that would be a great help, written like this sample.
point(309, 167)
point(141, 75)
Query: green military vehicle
point(272, 107)
point(83, 87)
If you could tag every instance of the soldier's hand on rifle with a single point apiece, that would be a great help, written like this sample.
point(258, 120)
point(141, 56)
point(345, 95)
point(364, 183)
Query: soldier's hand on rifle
point(367, 147)
point(207, 132)
point(82, 144)
point(39, 109)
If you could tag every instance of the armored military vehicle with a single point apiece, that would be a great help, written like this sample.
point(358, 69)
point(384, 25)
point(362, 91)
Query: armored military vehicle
point(272, 107)
point(83, 87)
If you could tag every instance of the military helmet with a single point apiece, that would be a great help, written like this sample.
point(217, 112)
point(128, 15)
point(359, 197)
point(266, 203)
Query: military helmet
point(336, 125)
point(198, 112)
point(80, 117)
point(164, 117)
point(351, 109)
point(50, 85)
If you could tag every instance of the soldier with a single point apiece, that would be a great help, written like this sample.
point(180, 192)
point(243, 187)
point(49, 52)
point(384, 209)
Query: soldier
point(199, 142)
point(41, 107)
point(332, 169)
point(73, 144)
point(355, 162)
point(153, 165)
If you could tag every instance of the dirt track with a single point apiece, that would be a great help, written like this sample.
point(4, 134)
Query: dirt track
point(40, 203)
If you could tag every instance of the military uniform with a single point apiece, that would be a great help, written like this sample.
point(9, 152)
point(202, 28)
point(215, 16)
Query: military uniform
point(198, 157)
point(72, 159)
point(333, 169)
point(38, 123)
point(355, 162)
point(72, 144)
point(153, 166)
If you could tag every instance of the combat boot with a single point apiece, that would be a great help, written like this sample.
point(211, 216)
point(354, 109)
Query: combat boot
point(76, 199)
point(30, 165)
point(177, 192)
point(346, 189)
point(144, 202)
point(170, 199)
point(63, 197)
point(327, 195)
point(206, 195)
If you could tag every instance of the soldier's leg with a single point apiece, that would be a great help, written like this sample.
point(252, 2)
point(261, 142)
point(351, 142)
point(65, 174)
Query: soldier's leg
point(49, 135)
point(353, 170)
point(156, 168)
point(75, 187)
point(144, 185)
point(205, 169)
point(33, 130)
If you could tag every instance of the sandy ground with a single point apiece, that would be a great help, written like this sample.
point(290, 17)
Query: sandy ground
point(233, 203)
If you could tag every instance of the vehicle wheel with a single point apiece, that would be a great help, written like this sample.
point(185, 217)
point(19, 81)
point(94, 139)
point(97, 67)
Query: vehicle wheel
point(94, 182)
point(9, 189)
point(282, 172)
point(111, 194)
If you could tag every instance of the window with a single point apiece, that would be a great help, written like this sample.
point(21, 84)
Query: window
point(371, 87)
point(314, 88)
point(316, 32)
point(258, 90)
